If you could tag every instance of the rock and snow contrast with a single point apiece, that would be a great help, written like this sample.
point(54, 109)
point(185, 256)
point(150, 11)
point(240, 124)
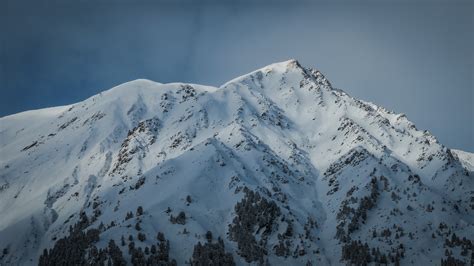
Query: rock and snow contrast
point(274, 167)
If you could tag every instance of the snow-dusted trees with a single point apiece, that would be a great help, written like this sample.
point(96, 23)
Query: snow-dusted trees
point(180, 219)
point(78, 248)
point(115, 254)
point(139, 210)
point(141, 237)
point(159, 254)
point(255, 215)
point(188, 200)
point(212, 254)
point(356, 253)
point(138, 227)
point(353, 217)
point(153, 255)
point(129, 215)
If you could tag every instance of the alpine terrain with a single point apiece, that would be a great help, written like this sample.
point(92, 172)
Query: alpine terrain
point(274, 167)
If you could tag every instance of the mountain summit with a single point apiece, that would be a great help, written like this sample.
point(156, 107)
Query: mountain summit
point(275, 166)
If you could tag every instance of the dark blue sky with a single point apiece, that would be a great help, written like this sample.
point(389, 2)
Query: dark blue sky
point(414, 57)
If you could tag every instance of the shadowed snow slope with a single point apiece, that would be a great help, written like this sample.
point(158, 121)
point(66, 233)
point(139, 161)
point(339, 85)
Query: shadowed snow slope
point(280, 165)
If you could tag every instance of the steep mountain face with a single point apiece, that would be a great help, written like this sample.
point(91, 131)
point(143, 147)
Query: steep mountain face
point(275, 166)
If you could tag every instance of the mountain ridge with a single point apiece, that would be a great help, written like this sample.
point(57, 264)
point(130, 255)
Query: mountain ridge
point(331, 168)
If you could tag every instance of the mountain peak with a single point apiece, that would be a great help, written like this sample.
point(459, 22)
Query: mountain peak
point(291, 63)
point(290, 71)
point(283, 66)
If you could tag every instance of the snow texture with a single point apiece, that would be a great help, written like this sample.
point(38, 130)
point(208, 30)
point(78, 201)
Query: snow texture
point(338, 169)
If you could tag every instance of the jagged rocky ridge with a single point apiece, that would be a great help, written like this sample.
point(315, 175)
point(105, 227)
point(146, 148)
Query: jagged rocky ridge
point(274, 167)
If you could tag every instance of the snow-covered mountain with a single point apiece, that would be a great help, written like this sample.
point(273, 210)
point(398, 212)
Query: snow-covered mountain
point(275, 166)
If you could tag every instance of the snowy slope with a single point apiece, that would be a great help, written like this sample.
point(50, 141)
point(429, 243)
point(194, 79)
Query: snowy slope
point(329, 170)
point(466, 159)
